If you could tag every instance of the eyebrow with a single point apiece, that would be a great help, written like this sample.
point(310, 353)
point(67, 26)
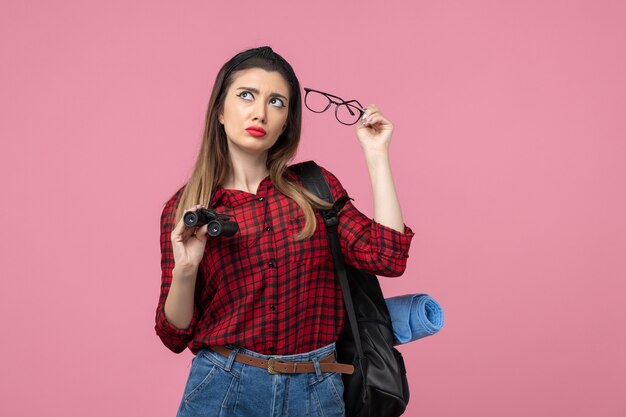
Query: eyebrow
point(256, 91)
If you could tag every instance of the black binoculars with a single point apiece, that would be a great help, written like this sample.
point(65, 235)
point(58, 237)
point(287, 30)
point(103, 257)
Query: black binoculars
point(218, 224)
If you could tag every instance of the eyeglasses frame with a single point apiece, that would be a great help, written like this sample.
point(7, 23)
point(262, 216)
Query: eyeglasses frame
point(341, 102)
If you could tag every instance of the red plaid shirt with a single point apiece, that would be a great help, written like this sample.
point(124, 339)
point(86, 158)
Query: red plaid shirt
point(262, 290)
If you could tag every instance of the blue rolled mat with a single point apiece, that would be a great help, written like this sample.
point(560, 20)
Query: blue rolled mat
point(414, 316)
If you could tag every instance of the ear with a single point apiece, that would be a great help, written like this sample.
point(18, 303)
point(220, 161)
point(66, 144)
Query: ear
point(220, 118)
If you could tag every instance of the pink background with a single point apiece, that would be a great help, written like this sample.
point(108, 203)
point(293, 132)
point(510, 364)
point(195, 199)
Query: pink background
point(508, 157)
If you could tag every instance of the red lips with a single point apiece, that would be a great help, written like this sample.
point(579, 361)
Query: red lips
point(256, 131)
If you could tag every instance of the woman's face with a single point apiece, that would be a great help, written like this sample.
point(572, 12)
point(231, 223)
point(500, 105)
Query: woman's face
point(255, 110)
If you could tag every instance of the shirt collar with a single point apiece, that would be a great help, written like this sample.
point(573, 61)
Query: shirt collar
point(233, 198)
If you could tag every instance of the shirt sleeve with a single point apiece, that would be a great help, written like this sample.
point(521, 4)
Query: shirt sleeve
point(366, 244)
point(172, 337)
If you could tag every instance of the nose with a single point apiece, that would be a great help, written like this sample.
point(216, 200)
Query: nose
point(260, 112)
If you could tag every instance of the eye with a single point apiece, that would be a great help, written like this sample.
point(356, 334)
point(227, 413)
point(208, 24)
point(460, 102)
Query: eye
point(277, 102)
point(246, 95)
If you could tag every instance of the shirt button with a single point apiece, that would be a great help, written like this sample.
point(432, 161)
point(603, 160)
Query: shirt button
point(261, 198)
point(271, 264)
point(273, 307)
point(267, 229)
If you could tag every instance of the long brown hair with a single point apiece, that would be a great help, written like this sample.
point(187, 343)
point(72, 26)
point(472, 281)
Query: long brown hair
point(213, 162)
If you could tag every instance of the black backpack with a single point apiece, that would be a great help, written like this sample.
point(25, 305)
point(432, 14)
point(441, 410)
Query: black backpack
point(378, 387)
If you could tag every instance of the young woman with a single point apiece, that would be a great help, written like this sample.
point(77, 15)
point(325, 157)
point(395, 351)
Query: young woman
point(261, 310)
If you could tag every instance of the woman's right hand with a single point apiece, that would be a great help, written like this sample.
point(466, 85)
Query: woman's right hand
point(188, 243)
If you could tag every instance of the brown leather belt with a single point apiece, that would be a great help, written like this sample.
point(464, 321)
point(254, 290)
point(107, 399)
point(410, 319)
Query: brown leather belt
point(274, 366)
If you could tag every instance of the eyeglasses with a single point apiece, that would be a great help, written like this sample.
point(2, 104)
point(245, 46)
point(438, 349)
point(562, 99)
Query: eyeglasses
point(347, 112)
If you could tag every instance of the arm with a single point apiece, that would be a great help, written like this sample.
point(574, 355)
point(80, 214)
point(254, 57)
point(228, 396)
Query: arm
point(367, 244)
point(379, 246)
point(176, 313)
point(179, 305)
point(386, 205)
point(374, 134)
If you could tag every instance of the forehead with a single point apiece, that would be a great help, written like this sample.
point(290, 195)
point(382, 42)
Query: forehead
point(264, 81)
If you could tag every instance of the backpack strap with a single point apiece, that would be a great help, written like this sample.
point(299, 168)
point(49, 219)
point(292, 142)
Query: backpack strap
point(313, 180)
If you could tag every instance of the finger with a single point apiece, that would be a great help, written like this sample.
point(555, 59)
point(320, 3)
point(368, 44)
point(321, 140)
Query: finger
point(371, 108)
point(369, 111)
point(201, 233)
point(373, 119)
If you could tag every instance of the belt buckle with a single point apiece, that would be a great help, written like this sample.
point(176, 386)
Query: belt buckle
point(270, 366)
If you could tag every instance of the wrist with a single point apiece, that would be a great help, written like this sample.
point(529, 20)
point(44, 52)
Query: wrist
point(375, 158)
point(185, 273)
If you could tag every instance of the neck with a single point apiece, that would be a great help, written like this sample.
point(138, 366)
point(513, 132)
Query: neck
point(247, 172)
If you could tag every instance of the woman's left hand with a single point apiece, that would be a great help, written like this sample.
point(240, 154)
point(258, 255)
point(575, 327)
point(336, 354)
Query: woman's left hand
point(375, 131)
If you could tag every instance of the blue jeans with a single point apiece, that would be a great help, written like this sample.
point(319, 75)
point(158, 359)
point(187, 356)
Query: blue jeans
point(219, 386)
